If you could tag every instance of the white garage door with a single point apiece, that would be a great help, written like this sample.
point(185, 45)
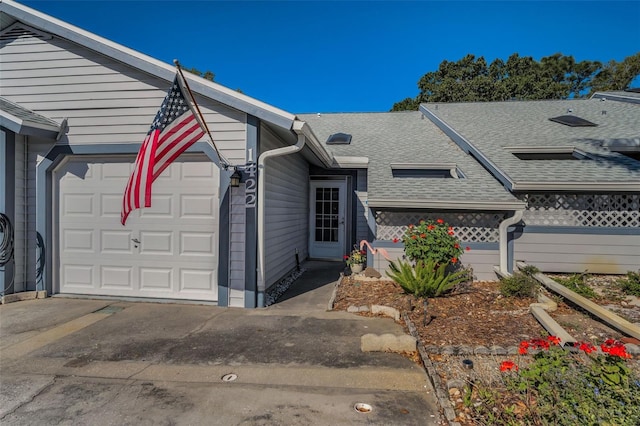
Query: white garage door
point(167, 251)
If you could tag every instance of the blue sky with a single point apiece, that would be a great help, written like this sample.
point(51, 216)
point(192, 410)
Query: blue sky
point(337, 56)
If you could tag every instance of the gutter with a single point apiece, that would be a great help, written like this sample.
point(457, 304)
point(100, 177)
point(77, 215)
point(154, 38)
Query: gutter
point(450, 205)
point(577, 186)
point(298, 127)
point(503, 230)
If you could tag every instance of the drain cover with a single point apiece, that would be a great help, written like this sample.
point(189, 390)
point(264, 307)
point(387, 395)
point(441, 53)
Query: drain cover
point(361, 407)
point(111, 309)
point(229, 377)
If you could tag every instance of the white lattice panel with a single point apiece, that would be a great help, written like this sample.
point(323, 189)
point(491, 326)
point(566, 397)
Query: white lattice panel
point(602, 210)
point(468, 227)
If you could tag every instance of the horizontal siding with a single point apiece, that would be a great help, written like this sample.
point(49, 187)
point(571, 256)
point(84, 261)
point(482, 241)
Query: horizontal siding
point(482, 262)
point(572, 253)
point(286, 210)
point(104, 100)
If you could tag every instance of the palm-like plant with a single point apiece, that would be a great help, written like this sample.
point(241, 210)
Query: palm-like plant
point(425, 279)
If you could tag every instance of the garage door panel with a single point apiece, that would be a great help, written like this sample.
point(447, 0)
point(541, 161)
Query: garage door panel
point(177, 238)
point(78, 240)
point(78, 205)
point(156, 243)
point(116, 242)
point(116, 277)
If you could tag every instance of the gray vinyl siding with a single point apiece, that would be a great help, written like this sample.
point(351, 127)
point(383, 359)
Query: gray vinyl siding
point(573, 253)
point(286, 209)
point(481, 260)
point(362, 227)
point(237, 247)
point(104, 100)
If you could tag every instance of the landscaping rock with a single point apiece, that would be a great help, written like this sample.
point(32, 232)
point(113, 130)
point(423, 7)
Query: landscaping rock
point(371, 273)
point(387, 342)
point(632, 349)
point(387, 311)
point(498, 350)
point(481, 350)
point(352, 309)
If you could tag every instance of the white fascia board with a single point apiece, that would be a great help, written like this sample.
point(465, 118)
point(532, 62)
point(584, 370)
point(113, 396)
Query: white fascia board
point(25, 127)
point(577, 186)
point(346, 162)
point(445, 205)
point(302, 128)
point(147, 64)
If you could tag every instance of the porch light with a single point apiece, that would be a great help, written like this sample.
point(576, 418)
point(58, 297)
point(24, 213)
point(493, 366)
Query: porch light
point(235, 178)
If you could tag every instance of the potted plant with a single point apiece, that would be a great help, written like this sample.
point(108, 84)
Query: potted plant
point(356, 259)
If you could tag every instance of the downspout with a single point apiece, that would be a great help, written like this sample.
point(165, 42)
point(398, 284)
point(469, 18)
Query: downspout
point(261, 204)
point(503, 232)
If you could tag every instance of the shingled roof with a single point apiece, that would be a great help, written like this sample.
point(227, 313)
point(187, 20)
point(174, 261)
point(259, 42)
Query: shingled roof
point(407, 139)
point(496, 132)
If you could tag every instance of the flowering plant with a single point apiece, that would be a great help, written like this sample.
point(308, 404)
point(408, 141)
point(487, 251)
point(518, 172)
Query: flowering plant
point(586, 385)
point(356, 257)
point(432, 241)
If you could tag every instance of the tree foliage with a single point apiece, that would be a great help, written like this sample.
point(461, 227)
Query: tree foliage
point(207, 75)
point(557, 76)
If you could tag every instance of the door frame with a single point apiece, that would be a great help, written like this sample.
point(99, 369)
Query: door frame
point(330, 251)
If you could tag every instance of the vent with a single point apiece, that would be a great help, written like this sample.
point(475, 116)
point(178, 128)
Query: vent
point(339, 139)
point(433, 171)
point(19, 30)
point(573, 121)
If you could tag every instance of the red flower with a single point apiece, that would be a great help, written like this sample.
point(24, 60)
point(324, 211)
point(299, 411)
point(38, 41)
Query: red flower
point(586, 347)
point(456, 245)
point(454, 260)
point(450, 228)
point(614, 348)
point(440, 221)
point(467, 248)
point(522, 351)
point(413, 237)
point(346, 256)
point(430, 228)
point(450, 232)
point(395, 240)
point(554, 339)
point(363, 252)
point(423, 235)
point(508, 366)
point(411, 226)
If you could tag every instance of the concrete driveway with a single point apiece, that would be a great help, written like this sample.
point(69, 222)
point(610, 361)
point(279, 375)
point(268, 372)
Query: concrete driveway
point(100, 362)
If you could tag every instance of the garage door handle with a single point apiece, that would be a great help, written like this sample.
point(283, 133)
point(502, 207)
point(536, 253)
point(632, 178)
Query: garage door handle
point(135, 242)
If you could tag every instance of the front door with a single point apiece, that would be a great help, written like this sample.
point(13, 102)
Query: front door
point(327, 221)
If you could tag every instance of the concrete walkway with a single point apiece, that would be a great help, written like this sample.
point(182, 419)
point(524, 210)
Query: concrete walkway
point(101, 362)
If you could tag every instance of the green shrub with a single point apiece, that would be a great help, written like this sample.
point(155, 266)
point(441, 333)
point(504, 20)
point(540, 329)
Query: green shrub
point(425, 279)
point(432, 241)
point(578, 284)
point(631, 285)
point(520, 284)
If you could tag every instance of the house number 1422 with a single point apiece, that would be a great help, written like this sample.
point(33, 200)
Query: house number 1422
point(250, 186)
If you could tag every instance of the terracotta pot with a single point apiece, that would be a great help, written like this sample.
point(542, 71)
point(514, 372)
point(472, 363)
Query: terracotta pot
point(356, 268)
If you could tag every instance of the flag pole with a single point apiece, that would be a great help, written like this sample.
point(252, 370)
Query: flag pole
point(202, 120)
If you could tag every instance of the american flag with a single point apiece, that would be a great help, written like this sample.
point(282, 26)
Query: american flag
point(174, 129)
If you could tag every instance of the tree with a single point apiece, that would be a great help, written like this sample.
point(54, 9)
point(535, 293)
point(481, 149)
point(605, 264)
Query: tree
point(521, 77)
point(207, 75)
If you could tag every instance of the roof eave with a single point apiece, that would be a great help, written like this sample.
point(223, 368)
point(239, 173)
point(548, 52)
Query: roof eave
point(28, 128)
point(302, 128)
point(577, 186)
point(349, 162)
point(147, 64)
point(442, 204)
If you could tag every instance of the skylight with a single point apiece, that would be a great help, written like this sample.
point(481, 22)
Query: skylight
point(572, 121)
point(339, 139)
